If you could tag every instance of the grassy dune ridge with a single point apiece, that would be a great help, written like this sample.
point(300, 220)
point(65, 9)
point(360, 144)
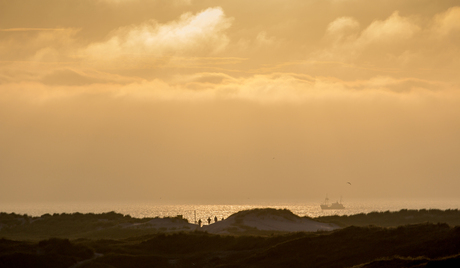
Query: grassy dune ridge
point(391, 219)
point(78, 225)
point(116, 226)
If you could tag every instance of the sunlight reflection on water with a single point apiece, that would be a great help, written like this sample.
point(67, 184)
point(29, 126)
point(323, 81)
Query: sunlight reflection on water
point(203, 212)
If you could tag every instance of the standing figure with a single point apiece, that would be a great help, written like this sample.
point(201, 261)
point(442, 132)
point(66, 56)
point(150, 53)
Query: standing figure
point(215, 219)
point(209, 221)
point(199, 222)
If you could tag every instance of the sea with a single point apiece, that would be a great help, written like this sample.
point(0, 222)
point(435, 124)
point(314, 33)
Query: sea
point(194, 212)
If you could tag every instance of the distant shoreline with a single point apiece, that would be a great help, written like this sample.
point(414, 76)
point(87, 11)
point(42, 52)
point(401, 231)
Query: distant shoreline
point(150, 210)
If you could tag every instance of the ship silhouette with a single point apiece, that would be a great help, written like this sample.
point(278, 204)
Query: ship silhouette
point(336, 205)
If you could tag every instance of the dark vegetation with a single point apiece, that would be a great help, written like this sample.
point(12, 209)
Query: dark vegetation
point(47, 253)
point(117, 226)
point(75, 225)
point(266, 212)
point(391, 219)
point(421, 245)
point(425, 243)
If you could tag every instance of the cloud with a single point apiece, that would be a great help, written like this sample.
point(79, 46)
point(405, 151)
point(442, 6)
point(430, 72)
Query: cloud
point(135, 90)
point(262, 39)
point(31, 29)
point(342, 26)
point(398, 45)
point(70, 77)
point(176, 2)
point(448, 22)
point(394, 29)
point(406, 86)
point(205, 79)
point(193, 52)
point(387, 36)
point(37, 44)
point(273, 88)
point(200, 34)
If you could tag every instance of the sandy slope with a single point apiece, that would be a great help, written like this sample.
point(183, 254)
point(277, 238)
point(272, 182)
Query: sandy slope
point(267, 220)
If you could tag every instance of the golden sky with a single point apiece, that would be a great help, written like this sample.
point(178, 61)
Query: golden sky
point(228, 100)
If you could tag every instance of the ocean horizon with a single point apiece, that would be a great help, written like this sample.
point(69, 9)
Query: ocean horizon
point(193, 212)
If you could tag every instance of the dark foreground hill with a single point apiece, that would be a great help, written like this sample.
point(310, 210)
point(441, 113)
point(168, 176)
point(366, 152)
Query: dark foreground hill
point(420, 245)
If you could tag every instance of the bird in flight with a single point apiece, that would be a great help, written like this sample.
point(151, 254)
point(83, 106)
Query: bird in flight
point(349, 182)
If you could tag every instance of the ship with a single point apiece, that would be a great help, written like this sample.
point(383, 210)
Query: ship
point(336, 205)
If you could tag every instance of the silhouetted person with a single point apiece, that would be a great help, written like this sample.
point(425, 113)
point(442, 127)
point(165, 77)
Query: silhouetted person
point(199, 222)
point(222, 218)
point(209, 221)
point(215, 219)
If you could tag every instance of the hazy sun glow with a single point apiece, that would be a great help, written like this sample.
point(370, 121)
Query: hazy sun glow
point(219, 101)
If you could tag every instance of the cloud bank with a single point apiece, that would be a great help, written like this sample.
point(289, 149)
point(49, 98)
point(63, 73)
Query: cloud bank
point(194, 101)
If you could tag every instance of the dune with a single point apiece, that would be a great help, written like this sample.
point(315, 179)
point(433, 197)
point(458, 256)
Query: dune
point(248, 221)
point(164, 225)
point(267, 220)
